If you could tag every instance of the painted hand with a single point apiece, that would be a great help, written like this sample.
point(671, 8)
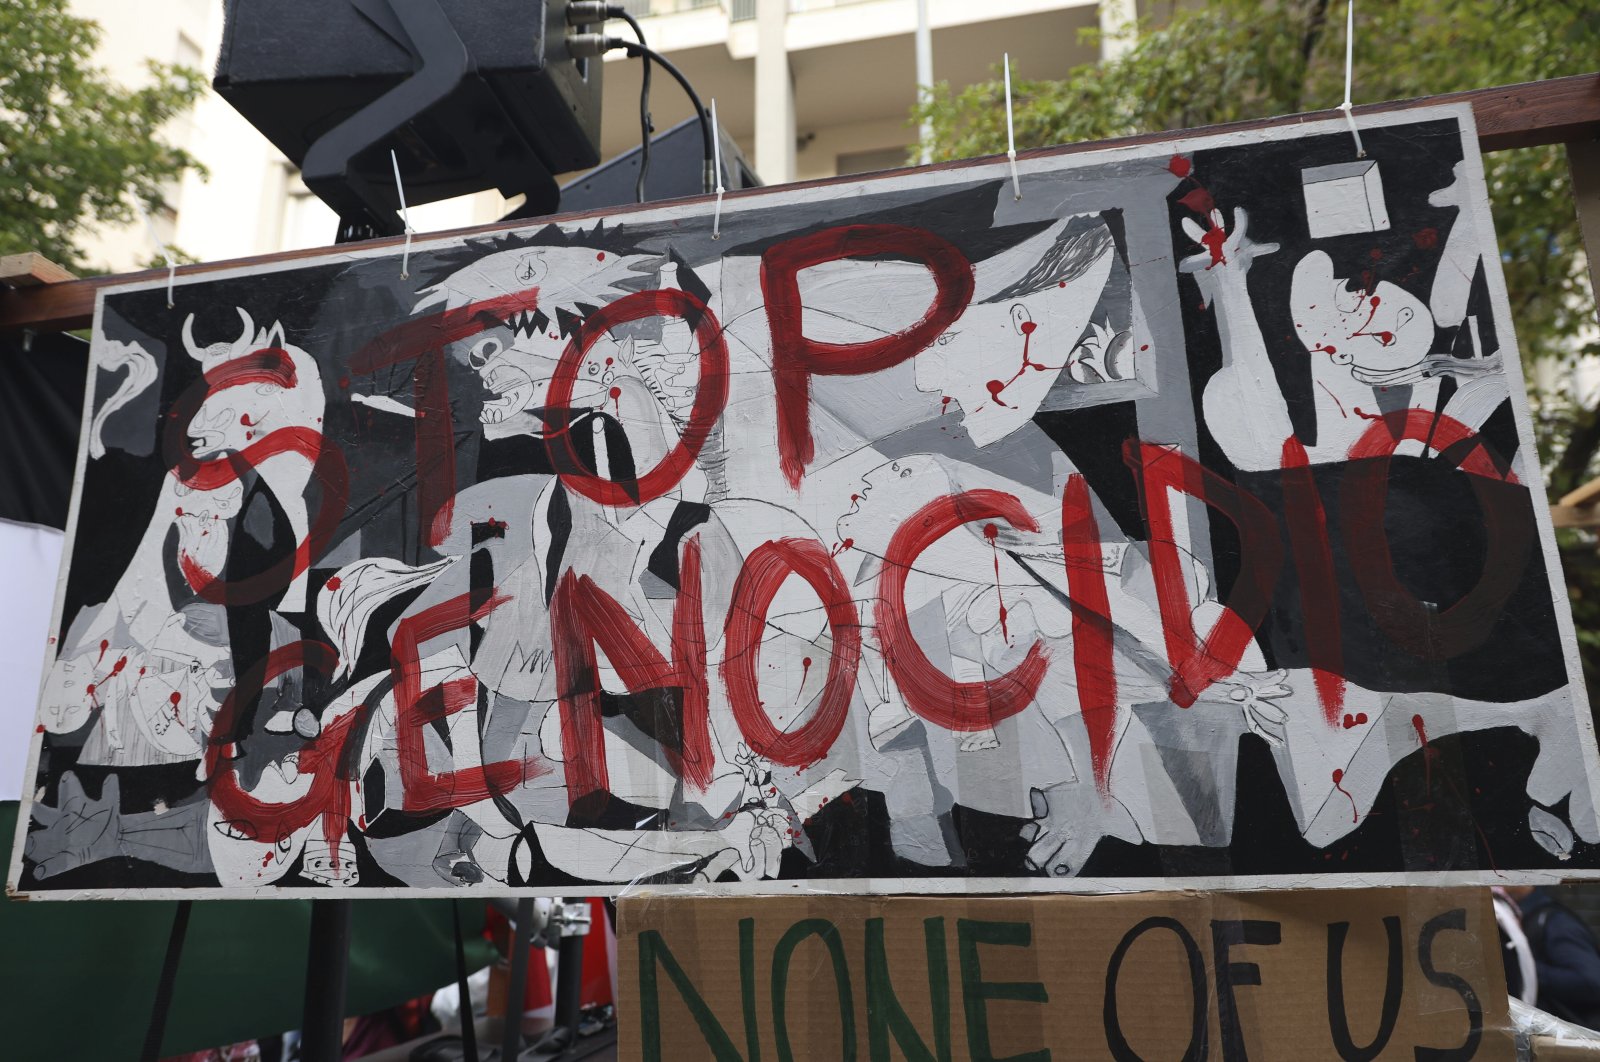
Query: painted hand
point(1223, 252)
point(1065, 829)
point(1256, 695)
point(77, 830)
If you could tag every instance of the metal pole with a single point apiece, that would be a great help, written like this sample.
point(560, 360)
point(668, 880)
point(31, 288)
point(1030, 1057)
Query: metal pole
point(924, 76)
point(517, 986)
point(157, 1028)
point(569, 986)
point(327, 967)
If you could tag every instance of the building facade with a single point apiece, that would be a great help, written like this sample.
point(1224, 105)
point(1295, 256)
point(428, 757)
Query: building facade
point(807, 88)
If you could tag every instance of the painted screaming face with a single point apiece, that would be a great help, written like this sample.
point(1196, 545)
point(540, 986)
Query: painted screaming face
point(516, 356)
point(1379, 334)
point(515, 363)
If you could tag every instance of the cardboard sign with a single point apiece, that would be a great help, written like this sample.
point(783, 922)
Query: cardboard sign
point(1178, 525)
point(1375, 974)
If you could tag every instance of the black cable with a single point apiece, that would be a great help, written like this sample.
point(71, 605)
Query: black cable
point(646, 127)
point(639, 51)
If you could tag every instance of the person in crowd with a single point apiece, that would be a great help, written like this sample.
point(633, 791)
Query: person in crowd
point(1566, 956)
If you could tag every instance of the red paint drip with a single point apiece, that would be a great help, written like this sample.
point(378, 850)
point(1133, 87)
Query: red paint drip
point(1179, 166)
point(805, 671)
point(1213, 241)
point(246, 421)
point(616, 400)
point(997, 387)
point(992, 533)
point(104, 645)
point(333, 583)
point(1199, 201)
point(1338, 778)
point(1427, 753)
point(841, 547)
point(1383, 338)
point(1365, 415)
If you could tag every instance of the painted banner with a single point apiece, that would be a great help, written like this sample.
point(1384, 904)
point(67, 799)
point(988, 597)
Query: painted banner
point(1376, 974)
point(1177, 523)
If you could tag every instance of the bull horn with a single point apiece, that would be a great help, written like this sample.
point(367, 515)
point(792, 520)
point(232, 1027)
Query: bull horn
point(248, 335)
point(188, 339)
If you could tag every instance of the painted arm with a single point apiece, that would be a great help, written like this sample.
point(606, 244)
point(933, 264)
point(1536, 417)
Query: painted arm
point(1452, 282)
point(1244, 408)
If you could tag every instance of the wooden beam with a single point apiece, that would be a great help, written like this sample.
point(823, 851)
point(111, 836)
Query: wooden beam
point(1575, 516)
point(30, 269)
point(1509, 116)
point(1584, 495)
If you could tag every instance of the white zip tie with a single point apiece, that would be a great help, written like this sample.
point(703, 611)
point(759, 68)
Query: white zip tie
point(1011, 135)
point(163, 248)
point(716, 155)
point(1349, 65)
point(405, 216)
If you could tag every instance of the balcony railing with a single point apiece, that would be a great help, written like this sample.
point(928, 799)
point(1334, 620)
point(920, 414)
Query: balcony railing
point(646, 8)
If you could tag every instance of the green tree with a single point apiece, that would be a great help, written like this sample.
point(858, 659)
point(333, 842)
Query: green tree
point(75, 148)
point(1232, 60)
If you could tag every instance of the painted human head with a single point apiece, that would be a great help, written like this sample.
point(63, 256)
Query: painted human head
point(260, 383)
point(1030, 306)
point(1380, 335)
point(515, 355)
point(886, 496)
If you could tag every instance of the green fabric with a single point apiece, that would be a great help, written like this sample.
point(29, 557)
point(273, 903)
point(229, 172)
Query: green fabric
point(78, 980)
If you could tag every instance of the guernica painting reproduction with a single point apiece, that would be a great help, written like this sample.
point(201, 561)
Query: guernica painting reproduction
point(1167, 517)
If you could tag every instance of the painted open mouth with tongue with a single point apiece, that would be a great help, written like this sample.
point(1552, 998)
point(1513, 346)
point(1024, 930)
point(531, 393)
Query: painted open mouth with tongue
point(514, 392)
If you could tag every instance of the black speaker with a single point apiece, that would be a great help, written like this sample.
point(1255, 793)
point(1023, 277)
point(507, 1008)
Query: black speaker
point(468, 94)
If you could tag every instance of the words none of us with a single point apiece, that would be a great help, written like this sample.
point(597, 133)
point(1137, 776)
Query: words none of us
point(1356, 973)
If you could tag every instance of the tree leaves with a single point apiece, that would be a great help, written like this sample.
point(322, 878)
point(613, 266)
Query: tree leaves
point(76, 149)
